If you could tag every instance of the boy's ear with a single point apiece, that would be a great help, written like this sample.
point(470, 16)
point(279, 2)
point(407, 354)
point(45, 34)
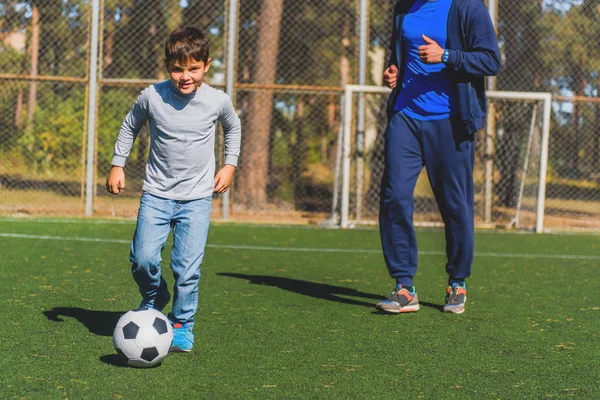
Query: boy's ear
point(207, 64)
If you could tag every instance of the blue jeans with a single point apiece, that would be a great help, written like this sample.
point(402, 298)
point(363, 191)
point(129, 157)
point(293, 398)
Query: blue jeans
point(189, 220)
point(447, 152)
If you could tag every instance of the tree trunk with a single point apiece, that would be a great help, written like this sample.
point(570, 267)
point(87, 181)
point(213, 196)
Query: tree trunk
point(596, 149)
point(35, 51)
point(377, 163)
point(333, 125)
point(175, 18)
point(579, 84)
point(108, 43)
point(255, 145)
point(19, 109)
point(299, 151)
point(344, 69)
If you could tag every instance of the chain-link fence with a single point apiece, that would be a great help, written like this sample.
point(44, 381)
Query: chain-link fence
point(292, 61)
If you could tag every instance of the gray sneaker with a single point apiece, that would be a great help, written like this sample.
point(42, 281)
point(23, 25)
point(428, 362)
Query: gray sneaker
point(402, 300)
point(455, 299)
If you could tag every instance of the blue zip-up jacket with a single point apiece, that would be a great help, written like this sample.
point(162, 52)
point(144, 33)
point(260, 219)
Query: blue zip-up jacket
point(473, 54)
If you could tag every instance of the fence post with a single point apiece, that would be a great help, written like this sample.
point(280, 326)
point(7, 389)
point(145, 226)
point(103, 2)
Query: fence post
point(539, 227)
point(91, 117)
point(230, 78)
point(362, 80)
point(490, 132)
point(345, 206)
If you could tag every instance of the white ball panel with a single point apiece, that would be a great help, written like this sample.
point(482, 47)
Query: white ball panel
point(163, 344)
point(125, 318)
point(146, 317)
point(131, 348)
point(147, 336)
point(118, 338)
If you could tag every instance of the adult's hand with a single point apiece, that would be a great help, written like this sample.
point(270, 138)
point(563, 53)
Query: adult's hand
point(390, 75)
point(430, 52)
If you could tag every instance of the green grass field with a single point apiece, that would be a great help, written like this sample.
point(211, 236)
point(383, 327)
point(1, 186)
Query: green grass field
point(288, 313)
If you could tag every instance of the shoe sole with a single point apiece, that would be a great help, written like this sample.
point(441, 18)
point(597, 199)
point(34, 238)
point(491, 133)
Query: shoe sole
point(178, 350)
point(406, 309)
point(455, 310)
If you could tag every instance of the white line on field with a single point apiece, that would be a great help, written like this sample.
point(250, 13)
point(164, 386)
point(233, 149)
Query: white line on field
point(306, 249)
point(64, 238)
point(132, 221)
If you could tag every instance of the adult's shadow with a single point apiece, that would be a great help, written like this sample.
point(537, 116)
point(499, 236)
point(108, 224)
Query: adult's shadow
point(100, 323)
point(318, 290)
point(312, 289)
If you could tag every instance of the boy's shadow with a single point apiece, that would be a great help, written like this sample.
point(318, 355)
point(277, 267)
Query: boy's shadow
point(316, 290)
point(100, 323)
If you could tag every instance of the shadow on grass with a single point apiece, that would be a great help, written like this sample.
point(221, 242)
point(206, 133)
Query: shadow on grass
point(316, 290)
point(312, 289)
point(98, 322)
point(117, 361)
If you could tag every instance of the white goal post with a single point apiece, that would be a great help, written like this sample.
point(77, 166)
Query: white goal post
point(508, 121)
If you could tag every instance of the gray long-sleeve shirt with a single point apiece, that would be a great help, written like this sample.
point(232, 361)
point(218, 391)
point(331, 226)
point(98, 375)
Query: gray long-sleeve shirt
point(181, 161)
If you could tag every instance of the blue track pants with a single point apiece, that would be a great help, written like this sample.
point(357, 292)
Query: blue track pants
point(448, 155)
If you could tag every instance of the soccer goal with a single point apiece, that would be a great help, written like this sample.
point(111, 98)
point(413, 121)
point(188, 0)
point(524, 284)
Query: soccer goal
point(510, 162)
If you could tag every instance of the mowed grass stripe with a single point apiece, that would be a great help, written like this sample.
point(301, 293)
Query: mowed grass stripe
point(307, 249)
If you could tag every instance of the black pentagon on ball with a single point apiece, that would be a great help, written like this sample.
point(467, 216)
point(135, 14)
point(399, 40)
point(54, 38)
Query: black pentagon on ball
point(160, 325)
point(122, 355)
point(130, 330)
point(149, 354)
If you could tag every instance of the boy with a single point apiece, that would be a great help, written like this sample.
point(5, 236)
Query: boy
point(180, 176)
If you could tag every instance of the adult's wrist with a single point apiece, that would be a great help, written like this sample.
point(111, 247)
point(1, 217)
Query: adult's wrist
point(445, 56)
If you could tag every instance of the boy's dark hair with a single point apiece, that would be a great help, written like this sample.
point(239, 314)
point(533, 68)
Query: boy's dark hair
point(186, 43)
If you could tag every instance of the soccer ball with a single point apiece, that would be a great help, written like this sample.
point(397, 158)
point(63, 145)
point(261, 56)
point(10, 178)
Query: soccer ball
point(143, 337)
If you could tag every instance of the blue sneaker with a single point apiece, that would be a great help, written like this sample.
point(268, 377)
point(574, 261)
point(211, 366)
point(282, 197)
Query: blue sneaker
point(183, 339)
point(159, 302)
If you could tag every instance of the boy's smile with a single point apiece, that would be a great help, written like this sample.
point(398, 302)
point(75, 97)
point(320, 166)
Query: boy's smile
point(187, 77)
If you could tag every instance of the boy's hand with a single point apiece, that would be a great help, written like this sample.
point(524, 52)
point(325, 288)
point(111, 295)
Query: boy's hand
point(224, 178)
point(115, 183)
point(390, 75)
point(430, 53)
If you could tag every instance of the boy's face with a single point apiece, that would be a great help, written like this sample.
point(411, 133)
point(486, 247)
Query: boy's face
point(187, 77)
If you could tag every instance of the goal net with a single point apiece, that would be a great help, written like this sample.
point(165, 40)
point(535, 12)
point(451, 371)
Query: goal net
point(510, 162)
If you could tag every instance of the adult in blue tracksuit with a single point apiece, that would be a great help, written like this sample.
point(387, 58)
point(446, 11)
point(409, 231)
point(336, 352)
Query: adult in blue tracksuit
point(441, 50)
